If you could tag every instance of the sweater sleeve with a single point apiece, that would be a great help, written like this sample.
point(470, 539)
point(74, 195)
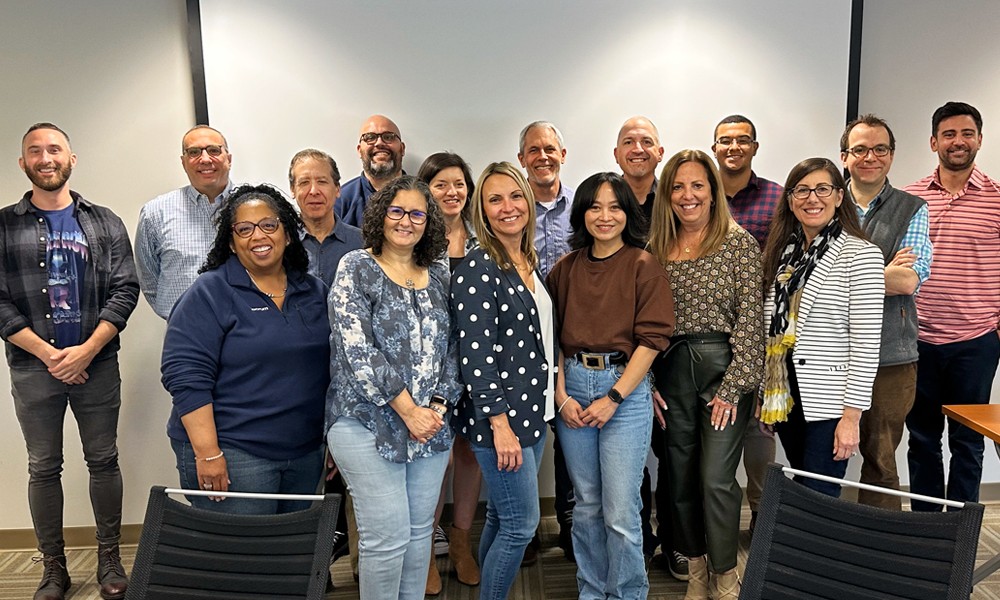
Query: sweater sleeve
point(449, 383)
point(192, 346)
point(746, 370)
point(654, 305)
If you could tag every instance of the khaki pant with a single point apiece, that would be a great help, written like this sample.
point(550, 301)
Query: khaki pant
point(882, 429)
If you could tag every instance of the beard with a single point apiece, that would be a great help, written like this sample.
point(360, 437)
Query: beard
point(959, 165)
point(381, 170)
point(50, 185)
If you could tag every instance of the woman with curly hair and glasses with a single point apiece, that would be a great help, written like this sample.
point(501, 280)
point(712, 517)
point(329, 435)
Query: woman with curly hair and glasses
point(246, 360)
point(394, 374)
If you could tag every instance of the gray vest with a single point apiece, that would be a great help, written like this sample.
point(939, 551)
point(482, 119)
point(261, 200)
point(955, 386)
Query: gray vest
point(886, 224)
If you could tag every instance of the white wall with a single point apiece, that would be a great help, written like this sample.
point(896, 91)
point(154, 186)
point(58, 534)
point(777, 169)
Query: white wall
point(113, 74)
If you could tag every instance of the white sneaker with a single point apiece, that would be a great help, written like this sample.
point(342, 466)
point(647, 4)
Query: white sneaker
point(440, 542)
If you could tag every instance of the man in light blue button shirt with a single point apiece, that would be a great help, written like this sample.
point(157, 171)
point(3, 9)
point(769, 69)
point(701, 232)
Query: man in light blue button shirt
point(541, 153)
point(176, 230)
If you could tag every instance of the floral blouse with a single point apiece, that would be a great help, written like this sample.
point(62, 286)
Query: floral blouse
point(386, 338)
point(721, 292)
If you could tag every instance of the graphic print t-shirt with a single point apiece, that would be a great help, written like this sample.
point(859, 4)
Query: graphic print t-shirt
point(67, 251)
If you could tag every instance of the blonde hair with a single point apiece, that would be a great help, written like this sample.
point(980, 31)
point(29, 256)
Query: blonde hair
point(487, 240)
point(664, 224)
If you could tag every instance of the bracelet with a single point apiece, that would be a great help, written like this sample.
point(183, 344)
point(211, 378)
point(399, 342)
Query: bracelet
point(439, 408)
point(568, 398)
point(211, 458)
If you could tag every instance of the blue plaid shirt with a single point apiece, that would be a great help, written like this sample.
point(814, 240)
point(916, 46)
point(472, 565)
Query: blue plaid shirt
point(917, 236)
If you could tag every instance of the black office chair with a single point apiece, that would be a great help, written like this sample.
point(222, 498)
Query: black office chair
point(190, 553)
point(808, 545)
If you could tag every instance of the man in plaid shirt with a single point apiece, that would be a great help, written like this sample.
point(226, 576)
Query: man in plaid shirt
point(67, 288)
point(752, 200)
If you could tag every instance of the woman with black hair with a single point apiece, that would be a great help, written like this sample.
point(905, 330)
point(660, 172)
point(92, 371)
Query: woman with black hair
point(615, 310)
point(246, 360)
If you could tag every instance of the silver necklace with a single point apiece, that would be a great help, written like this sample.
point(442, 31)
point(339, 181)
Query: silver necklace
point(261, 290)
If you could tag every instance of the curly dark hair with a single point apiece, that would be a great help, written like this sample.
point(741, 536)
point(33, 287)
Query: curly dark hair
point(295, 258)
point(432, 244)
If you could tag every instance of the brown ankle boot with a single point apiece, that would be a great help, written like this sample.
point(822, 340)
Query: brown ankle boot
point(55, 578)
point(433, 587)
point(460, 552)
point(110, 573)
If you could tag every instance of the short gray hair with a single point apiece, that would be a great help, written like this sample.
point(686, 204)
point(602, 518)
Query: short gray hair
point(530, 126)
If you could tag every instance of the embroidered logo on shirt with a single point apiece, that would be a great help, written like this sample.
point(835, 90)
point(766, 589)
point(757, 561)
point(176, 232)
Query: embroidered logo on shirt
point(259, 308)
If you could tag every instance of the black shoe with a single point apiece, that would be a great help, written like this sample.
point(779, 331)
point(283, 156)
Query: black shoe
point(566, 542)
point(531, 551)
point(340, 546)
point(55, 578)
point(677, 564)
point(110, 573)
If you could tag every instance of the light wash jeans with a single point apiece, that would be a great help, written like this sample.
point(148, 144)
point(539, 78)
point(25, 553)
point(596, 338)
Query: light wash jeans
point(606, 468)
point(394, 504)
point(252, 473)
point(512, 515)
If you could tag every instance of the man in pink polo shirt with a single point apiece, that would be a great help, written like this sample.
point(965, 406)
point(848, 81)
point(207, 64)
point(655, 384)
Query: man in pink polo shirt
point(957, 308)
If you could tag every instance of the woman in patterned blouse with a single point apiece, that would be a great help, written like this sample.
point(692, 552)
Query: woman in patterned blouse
point(450, 180)
point(714, 366)
point(393, 374)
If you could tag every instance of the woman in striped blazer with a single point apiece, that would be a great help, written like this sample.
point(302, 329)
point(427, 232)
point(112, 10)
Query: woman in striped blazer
point(822, 320)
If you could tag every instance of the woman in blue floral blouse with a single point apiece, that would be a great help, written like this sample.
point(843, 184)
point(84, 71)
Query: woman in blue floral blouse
point(394, 373)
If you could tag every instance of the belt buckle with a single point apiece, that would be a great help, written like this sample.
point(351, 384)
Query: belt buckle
point(595, 362)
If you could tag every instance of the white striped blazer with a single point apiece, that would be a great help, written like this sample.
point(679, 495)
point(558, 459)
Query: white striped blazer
point(839, 329)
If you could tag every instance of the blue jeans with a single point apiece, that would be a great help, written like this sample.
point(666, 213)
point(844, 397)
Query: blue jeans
point(250, 473)
point(512, 515)
point(40, 402)
point(606, 468)
point(957, 373)
point(394, 504)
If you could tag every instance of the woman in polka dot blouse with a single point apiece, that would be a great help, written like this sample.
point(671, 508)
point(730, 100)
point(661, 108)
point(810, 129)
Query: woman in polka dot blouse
point(615, 310)
point(506, 331)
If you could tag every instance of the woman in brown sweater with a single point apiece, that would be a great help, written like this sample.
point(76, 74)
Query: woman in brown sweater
point(614, 306)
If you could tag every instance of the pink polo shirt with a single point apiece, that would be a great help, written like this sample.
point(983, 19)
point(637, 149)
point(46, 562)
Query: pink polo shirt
point(961, 300)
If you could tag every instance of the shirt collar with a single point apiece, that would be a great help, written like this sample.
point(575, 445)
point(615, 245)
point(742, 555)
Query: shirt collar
point(195, 196)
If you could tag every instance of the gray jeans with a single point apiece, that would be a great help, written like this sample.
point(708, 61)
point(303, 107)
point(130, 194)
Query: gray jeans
point(40, 403)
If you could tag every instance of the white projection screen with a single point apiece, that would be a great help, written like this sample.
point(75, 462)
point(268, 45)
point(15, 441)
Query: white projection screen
point(466, 76)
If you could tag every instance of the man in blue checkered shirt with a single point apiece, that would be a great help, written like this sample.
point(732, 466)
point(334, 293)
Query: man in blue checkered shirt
point(176, 230)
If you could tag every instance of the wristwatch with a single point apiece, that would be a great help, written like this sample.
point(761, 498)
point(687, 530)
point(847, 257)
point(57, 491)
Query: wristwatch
point(615, 396)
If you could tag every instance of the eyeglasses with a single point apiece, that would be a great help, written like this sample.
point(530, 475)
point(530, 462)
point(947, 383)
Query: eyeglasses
point(244, 229)
point(862, 151)
point(417, 217)
point(194, 152)
point(823, 190)
point(742, 141)
point(370, 138)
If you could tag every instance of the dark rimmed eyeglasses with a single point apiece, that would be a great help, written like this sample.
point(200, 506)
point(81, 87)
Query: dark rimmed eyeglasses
point(417, 217)
point(742, 141)
point(268, 225)
point(862, 151)
point(371, 137)
point(823, 190)
point(194, 152)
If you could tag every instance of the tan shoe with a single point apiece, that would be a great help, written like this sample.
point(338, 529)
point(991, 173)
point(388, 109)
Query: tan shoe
point(697, 588)
point(433, 587)
point(726, 586)
point(460, 552)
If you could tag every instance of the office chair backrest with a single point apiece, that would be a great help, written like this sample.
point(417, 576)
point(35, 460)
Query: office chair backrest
point(809, 545)
point(191, 553)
